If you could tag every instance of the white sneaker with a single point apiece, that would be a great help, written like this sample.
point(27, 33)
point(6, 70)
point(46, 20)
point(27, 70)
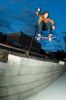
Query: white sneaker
point(38, 38)
point(39, 35)
point(50, 35)
point(50, 39)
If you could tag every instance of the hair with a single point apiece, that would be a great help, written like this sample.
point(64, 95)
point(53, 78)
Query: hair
point(46, 12)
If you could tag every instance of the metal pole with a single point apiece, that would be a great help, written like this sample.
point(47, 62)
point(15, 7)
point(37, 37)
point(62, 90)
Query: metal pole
point(33, 35)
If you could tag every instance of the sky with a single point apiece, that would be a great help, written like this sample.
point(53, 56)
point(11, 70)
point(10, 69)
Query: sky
point(19, 15)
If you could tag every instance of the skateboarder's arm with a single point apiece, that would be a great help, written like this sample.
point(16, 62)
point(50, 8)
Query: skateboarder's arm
point(51, 21)
point(38, 12)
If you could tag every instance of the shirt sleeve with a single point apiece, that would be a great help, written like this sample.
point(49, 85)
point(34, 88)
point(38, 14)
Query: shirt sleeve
point(38, 13)
point(51, 21)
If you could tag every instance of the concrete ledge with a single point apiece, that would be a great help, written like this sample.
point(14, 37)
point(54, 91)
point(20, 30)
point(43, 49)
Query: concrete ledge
point(15, 80)
point(21, 77)
point(3, 56)
point(10, 90)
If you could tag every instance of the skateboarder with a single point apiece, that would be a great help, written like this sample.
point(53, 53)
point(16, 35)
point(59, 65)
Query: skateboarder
point(45, 23)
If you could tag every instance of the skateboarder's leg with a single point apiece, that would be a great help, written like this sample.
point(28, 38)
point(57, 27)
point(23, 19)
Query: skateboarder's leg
point(40, 27)
point(49, 28)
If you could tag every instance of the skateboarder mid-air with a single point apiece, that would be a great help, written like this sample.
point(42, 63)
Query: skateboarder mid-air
point(45, 23)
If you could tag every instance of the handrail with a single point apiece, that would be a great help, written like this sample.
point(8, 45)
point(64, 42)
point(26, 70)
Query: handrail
point(31, 54)
point(18, 49)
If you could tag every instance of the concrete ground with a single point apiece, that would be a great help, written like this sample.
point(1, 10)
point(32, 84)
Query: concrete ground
point(56, 91)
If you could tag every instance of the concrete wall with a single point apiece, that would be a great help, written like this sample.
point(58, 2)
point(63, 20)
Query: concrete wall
point(65, 66)
point(21, 77)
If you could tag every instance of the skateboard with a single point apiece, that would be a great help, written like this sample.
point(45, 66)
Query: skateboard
point(45, 38)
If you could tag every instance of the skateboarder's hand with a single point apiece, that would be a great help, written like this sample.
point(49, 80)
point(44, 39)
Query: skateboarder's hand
point(53, 27)
point(38, 9)
point(38, 12)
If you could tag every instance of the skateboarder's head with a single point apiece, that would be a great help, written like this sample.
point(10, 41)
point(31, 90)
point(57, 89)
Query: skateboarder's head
point(46, 14)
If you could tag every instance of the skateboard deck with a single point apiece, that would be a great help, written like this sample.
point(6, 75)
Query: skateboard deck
point(45, 38)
